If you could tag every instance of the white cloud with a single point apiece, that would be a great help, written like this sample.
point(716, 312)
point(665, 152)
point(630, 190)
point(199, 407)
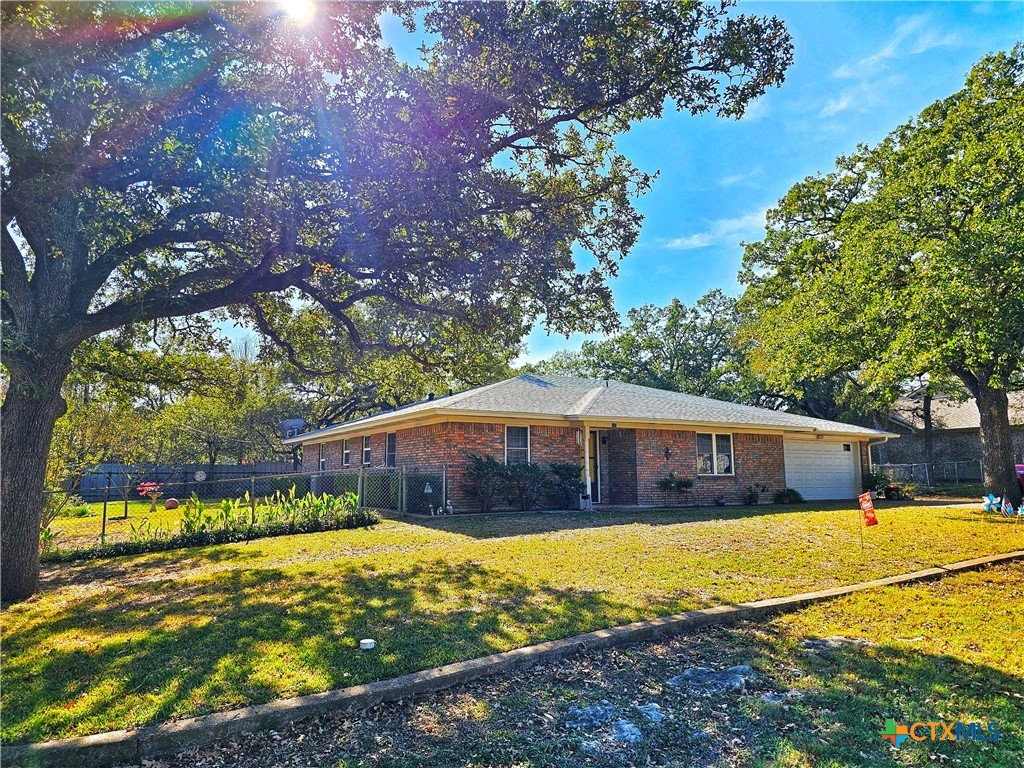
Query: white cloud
point(739, 178)
point(862, 97)
point(835, 106)
point(722, 232)
point(915, 34)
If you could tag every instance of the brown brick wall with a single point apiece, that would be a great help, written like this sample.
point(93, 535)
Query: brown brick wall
point(758, 459)
point(621, 466)
point(603, 448)
point(334, 453)
point(632, 460)
point(550, 445)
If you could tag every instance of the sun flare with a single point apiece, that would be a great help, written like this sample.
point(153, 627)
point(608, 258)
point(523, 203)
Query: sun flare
point(299, 11)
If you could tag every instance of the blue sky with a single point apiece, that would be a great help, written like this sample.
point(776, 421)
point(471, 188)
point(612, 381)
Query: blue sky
point(860, 70)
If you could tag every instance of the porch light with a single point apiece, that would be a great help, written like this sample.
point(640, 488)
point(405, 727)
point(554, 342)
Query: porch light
point(668, 452)
point(428, 489)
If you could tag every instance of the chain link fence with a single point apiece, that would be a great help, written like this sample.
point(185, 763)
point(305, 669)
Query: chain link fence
point(930, 475)
point(153, 508)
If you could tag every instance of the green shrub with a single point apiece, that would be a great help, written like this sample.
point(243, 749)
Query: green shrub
point(874, 481)
point(753, 494)
point(523, 484)
point(485, 481)
point(563, 485)
point(674, 484)
point(79, 510)
point(789, 496)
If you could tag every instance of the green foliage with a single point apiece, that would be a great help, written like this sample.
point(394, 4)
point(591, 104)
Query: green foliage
point(563, 484)
point(697, 350)
point(675, 347)
point(384, 489)
point(753, 493)
point(873, 481)
point(534, 576)
point(789, 496)
point(540, 162)
point(523, 483)
point(299, 485)
point(674, 484)
point(78, 510)
point(231, 520)
point(908, 257)
point(484, 480)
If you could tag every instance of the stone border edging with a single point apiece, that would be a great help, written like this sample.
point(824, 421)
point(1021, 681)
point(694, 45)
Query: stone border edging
point(103, 749)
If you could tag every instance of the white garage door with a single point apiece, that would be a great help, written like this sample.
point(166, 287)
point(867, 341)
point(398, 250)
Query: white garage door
point(822, 470)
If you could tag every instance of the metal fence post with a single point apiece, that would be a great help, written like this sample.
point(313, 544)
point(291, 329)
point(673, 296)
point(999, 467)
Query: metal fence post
point(359, 488)
point(444, 488)
point(252, 498)
point(103, 530)
point(403, 505)
point(124, 495)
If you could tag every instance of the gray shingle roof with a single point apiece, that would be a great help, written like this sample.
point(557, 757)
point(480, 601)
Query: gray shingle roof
point(577, 399)
point(950, 413)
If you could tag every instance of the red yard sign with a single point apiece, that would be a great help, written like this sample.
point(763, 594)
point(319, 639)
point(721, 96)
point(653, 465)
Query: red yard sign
point(868, 508)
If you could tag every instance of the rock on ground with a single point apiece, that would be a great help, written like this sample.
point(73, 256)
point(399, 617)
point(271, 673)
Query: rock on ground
point(709, 682)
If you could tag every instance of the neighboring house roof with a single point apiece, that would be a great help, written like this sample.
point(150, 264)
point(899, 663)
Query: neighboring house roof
point(577, 400)
point(950, 413)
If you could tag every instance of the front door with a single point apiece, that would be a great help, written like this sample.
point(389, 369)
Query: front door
point(595, 468)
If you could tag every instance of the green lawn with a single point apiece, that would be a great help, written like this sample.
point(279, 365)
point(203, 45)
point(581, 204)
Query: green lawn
point(84, 532)
point(946, 650)
point(129, 641)
point(949, 650)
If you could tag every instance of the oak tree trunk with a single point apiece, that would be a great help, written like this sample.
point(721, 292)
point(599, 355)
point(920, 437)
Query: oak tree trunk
point(31, 408)
point(996, 439)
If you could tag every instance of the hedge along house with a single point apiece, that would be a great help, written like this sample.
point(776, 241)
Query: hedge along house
point(626, 437)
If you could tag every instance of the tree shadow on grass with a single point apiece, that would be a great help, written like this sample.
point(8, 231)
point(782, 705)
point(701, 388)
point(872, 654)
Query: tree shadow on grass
point(851, 691)
point(505, 524)
point(134, 569)
point(135, 655)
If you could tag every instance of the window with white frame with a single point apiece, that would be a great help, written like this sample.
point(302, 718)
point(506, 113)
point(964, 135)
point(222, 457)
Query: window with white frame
point(517, 445)
point(714, 454)
point(346, 453)
point(321, 458)
point(366, 450)
point(390, 449)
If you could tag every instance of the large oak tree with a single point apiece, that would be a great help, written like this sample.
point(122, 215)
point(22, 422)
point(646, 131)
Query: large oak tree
point(908, 258)
point(167, 159)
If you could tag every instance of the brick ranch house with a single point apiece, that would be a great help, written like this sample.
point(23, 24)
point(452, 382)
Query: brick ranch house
point(626, 437)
